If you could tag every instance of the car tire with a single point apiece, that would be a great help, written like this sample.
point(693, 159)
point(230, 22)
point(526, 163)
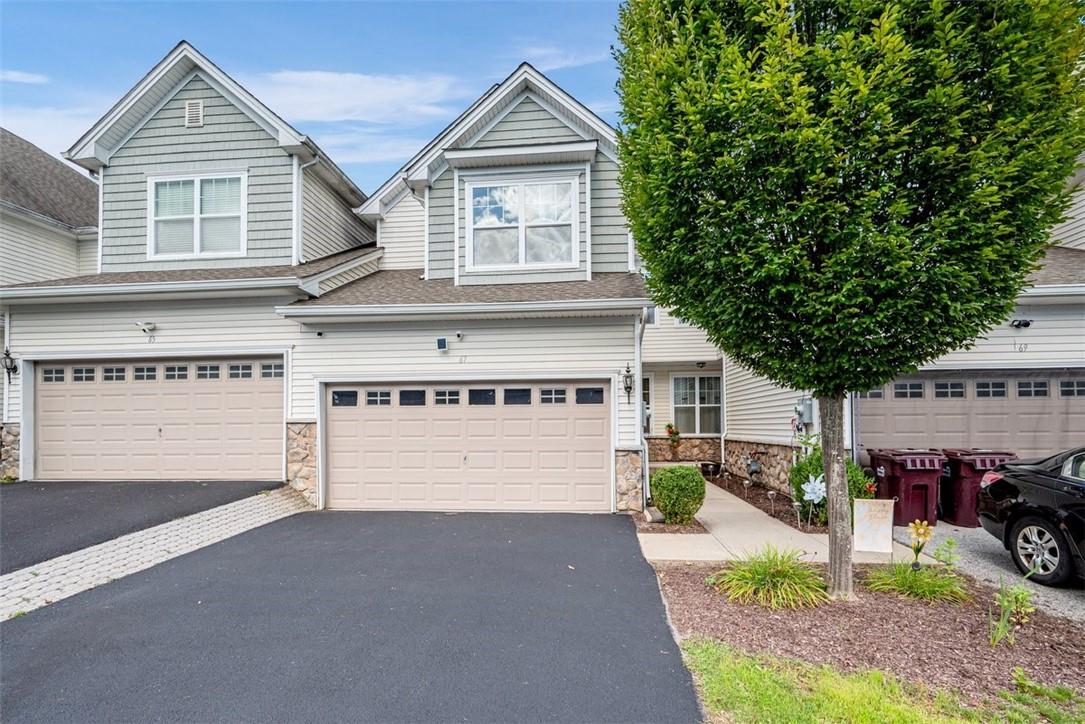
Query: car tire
point(1037, 541)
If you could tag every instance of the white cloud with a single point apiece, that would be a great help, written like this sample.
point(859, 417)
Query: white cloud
point(604, 107)
point(20, 76)
point(550, 57)
point(305, 95)
point(366, 144)
point(50, 128)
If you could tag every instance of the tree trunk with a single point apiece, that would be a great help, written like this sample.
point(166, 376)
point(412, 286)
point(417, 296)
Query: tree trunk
point(831, 411)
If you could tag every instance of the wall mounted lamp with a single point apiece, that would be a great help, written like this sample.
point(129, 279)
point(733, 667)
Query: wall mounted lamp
point(627, 383)
point(10, 365)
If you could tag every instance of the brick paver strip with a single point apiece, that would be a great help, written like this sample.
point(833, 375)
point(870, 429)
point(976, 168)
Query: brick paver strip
point(49, 581)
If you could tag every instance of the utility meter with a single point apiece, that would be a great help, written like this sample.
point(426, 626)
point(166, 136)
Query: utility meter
point(804, 411)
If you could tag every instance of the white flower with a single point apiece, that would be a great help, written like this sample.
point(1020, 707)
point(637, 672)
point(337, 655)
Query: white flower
point(813, 490)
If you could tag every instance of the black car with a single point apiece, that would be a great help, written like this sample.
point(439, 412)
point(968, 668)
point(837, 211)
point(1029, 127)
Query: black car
point(1037, 509)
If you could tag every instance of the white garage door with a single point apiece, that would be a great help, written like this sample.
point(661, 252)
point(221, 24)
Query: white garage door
point(160, 420)
point(528, 446)
point(1032, 413)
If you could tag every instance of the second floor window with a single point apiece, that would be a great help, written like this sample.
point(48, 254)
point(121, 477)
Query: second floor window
point(193, 217)
point(529, 224)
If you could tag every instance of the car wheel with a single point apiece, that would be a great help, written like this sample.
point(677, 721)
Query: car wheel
point(1039, 546)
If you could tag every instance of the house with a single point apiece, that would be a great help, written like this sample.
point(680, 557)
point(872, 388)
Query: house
point(48, 220)
point(468, 337)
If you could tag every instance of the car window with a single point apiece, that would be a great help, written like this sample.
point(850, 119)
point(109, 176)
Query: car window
point(1075, 467)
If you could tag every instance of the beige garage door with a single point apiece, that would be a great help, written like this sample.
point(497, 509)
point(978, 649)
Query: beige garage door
point(538, 446)
point(1032, 413)
point(160, 420)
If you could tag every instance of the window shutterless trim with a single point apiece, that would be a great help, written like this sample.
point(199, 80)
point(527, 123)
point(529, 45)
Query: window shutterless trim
point(195, 177)
point(523, 265)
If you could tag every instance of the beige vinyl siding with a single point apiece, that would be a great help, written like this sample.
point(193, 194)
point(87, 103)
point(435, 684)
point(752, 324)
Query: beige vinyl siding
point(755, 409)
point(536, 348)
point(1057, 335)
point(527, 123)
point(609, 232)
point(228, 140)
point(665, 341)
point(86, 257)
point(402, 235)
point(329, 225)
point(30, 252)
point(1071, 232)
point(440, 227)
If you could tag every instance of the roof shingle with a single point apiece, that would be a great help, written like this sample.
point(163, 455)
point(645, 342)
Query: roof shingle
point(32, 179)
point(1061, 265)
point(405, 286)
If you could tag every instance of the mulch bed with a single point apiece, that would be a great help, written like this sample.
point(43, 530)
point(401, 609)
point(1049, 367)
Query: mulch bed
point(938, 645)
point(758, 497)
point(644, 526)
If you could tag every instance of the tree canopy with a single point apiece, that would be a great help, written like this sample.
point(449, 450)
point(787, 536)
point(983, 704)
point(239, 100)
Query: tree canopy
point(839, 191)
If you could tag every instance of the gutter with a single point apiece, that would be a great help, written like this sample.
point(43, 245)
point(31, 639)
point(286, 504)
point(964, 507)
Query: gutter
point(78, 290)
point(1054, 290)
point(332, 312)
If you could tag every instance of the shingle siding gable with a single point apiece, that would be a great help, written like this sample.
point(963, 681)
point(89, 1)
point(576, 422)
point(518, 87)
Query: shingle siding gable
point(328, 224)
point(228, 140)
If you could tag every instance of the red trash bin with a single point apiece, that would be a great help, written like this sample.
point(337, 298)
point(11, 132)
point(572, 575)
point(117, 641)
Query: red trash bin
point(960, 483)
point(910, 476)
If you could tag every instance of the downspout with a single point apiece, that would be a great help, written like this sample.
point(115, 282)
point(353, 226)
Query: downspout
point(646, 490)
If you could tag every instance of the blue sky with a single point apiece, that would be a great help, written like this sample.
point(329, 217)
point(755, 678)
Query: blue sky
point(370, 81)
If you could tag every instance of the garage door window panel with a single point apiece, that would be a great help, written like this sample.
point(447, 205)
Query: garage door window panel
point(378, 398)
point(552, 396)
point(113, 374)
point(988, 389)
point(697, 404)
point(517, 396)
point(52, 374)
point(344, 398)
point(272, 370)
point(82, 374)
point(208, 372)
point(1072, 388)
point(949, 390)
point(412, 398)
point(241, 372)
point(446, 397)
point(175, 372)
point(875, 394)
point(908, 390)
point(144, 374)
point(1032, 388)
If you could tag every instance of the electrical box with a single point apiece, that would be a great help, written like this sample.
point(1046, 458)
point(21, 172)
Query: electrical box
point(804, 411)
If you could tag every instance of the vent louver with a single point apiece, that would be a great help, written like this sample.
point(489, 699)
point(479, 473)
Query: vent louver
point(193, 114)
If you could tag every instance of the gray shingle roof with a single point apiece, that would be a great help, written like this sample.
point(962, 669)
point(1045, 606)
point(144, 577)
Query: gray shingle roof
point(404, 286)
point(32, 179)
point(1061, 265)
point(300, 271)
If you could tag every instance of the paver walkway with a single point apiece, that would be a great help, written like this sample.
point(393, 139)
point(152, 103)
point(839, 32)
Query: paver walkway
point(49, 581)
point(736, 528)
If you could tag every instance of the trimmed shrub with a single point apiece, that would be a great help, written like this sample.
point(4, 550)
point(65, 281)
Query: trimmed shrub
point(859, 484)
point(772, 579)
point(678, 492)
point(929, 583)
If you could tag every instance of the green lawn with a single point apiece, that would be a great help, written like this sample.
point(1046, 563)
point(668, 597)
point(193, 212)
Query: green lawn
point(741, 688)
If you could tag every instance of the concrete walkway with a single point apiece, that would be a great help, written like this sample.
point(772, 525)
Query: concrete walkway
point(736, 529)
point(49, 581)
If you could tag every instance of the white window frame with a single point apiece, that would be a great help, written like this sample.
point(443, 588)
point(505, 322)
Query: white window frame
point(697, 401)
point(571, 178)
point(196, 178)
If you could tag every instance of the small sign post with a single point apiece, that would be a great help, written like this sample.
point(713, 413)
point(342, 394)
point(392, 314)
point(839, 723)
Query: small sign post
point(873, 525)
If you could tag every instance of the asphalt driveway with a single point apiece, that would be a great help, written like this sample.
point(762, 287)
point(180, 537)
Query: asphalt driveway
point(39, 521)
point(365, 616)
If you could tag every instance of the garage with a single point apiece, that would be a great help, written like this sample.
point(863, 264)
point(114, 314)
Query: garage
point(177, 419)
point(1030, 412)
point(486, 446)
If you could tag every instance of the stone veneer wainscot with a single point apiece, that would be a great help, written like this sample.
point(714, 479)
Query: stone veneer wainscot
point(9, 450)
point(775, 462)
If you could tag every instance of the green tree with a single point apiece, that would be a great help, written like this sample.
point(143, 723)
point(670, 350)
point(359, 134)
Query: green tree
point(839, 191)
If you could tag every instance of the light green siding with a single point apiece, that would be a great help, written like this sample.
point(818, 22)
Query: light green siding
point(609, 234)
point(328, 223)
point(228, 140)
point(440, 227)
point(525, 124)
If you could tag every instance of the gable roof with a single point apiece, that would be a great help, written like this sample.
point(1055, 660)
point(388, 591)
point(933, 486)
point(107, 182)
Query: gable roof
point(94, 148)
point(482, 115)
point(35, 181)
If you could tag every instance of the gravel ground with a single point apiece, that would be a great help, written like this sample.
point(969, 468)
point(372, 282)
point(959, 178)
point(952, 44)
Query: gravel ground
point(942, 645)
point(984, 558)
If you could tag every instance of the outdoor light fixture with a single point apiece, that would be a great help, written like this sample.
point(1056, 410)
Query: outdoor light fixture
point(627, 383)
point(1021, 323)
point(442, 344)
point(10, 365)
point(700, 365)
